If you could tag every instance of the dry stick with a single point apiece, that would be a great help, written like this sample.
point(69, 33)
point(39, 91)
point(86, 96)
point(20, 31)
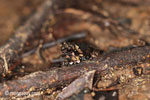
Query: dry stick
point(53, 43)
point(60, 76)
point(85, 81)
point(9, 52)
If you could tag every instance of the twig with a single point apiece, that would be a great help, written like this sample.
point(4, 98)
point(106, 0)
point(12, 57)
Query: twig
point(59, 76)
point(50, 44)
point(10, 51)
point(85, 81)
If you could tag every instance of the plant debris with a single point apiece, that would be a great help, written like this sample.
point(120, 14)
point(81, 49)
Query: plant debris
point(11, 50)
point(86, 50)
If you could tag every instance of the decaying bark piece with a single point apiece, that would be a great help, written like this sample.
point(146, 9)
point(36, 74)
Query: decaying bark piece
point(136, 88)
point(59, 76)
point(85, 81)
point(10, 51)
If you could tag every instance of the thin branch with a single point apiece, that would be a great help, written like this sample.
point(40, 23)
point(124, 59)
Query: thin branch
point(53, 43)
point(85, 81)
point(10, 51)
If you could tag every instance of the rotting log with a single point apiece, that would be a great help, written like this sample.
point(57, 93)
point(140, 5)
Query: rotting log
point(60, 76)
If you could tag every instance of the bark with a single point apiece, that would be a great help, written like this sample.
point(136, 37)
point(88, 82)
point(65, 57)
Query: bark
point(63, 75)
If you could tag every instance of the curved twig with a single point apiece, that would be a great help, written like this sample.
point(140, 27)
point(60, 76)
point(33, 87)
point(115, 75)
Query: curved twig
point(10, 51)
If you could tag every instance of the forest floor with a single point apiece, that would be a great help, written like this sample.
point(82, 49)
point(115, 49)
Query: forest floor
point(75, 50)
